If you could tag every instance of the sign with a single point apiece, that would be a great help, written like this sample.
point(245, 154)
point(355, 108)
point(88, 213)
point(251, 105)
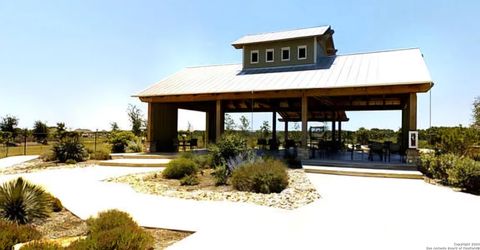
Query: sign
point(413, 139)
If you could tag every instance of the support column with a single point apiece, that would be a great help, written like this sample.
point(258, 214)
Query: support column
point(286, 130)
point(162, 127)
point(218, 120)
point(274, 131)
point(334, 129)
point(339, 132)
point(303, 152)
point(409, 123)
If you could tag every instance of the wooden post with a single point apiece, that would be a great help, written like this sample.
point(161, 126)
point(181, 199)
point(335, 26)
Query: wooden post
point(304, 121)
point(218, 120)
point(286, 130)
point(274, 131)
point(334, 130)
point(150, 128)
point(339, 132)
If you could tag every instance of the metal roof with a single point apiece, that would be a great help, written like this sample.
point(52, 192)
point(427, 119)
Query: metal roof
point(395, 67)
point(282, 35)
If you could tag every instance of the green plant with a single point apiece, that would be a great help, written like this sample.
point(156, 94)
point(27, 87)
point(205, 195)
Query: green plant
point(70, 162)
point(57, 205)
point(42, 245)
point(220, 175)
point(179, 168)
point(202, 160)
point(135, 145)
point(119, 140)
point(22, 201)
point(189, 180)
point(100, 155)
point(261, 176)
point(229, 146)
point(70, 149)
point(12, 233)
point(114, 229)
point(465, 174)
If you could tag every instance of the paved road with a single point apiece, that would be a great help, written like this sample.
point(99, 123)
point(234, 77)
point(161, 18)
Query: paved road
point(353, 213)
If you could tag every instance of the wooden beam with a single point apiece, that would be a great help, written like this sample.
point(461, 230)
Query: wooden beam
point(150, 126)
point(218, 120)
point(304, 121)
point(351, 91)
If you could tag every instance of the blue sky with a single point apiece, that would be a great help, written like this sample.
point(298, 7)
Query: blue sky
point(78, 62)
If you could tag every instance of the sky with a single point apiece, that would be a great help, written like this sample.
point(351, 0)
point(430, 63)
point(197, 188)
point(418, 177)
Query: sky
point(79, 62)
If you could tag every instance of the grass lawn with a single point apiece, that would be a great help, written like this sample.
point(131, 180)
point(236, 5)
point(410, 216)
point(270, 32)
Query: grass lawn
point(34, 148)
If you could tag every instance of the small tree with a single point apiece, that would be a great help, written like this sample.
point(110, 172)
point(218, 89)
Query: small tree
point(476, 113)
point(61, 131)
point(244, 123)
point(40, 131)
point(114, 126)
point(229, 123)
point(136, 118)
point(9, 124)
point(265, 129)
point(362, 135)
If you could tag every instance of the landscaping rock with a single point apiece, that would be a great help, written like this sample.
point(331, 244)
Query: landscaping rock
point(299, 192)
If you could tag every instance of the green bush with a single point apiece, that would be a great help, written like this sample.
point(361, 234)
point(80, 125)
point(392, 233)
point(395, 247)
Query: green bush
point(114, 229)
point(453, 170)
point(12, 233)
point(69, 149)
point(119, 140)
point(465, 174)
point(229, 146)
point(202, 160)
point(100, 155)
point(189, 180)
point(70, 162)
point(21, 201)
point(261, 176)
point(57, 205)
point(135, 145)
point(179, 168)
point(42, 245)
point(220, 175)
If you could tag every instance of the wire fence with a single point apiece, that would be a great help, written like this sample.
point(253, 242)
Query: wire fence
point(27, 144)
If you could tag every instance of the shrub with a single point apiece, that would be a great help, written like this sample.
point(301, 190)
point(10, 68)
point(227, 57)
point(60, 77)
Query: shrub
point(114, 229)
point(220, 175)
point(202, 160)
point(21, 201)
point(70, 149)
point(57, 205)
point(189, 180)
point(48, 156)
point(119, 140)
point(12, 233)
point(229, 146)
point(261, 176)
point(179, 168)
point(41, 244)
point(135, 145)
point(100, 155)
point(465, 174)
point(70, 162)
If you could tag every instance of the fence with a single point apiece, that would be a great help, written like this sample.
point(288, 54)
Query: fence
point(25, 144)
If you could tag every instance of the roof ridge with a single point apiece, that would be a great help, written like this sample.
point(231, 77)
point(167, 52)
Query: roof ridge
point(378, 51)
point(213, 65)
point(286, 30)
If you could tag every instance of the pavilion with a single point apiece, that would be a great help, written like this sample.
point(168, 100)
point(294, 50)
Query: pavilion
point(314, 84)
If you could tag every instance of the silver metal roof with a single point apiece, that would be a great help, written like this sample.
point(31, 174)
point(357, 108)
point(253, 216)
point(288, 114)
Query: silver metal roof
point(282, 35)
point(395, 67)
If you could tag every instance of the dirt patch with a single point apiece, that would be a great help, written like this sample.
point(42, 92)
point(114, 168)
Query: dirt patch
point(66, 224)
